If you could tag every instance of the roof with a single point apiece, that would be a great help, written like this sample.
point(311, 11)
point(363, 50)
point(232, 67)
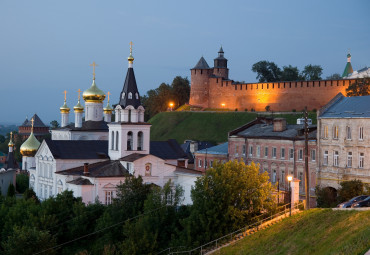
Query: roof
point(10, 162)
point(133, 157)
point(201, 145)
point(37, 122)
point(90, 125)
point(347, 70)
point(202, 64)
point(80, 181)
point(184, 170)
point(130, 87)
point(221, 149)
point(167, 149)
point(108, 168)
point(77, 149)
point(347, 107)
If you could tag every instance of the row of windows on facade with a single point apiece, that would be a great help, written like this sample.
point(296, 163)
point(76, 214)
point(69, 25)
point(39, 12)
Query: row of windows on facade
point(129, 95)
point(45, 170)
point(348, 133)
point(336, 159)
point(274, 152)
point(130, 141)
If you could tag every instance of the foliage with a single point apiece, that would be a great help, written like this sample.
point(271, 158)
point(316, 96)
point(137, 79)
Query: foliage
point(22, 181)
point(314, 232)
point(350, 189)
point(312, 72)
point(266, 71)
point(30, 194)
point(11, 190)
point(290, 73)
point(335, 76)
point(157, 100)
point(267, 108)
point(225, 199)
point(54, 124)
point(361, 87)
point(326, 197)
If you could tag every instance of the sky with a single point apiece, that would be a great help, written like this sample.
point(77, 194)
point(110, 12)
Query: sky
point(47, 47)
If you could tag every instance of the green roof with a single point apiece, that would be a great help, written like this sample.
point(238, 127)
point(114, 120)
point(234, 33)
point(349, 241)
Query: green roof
point(347, 70)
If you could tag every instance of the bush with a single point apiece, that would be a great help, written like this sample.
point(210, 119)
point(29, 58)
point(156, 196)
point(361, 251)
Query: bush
point(11, 190)
point(350, 189)
point(236, 109)
point(267, 108)
point(245, 109)
point(314, 110)
point(22, 182)
point(326, 197)
point(253, 110)
point(294, 110)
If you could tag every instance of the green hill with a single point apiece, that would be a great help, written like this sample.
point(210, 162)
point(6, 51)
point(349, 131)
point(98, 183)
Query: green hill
point(205, 126)
point(317, 231)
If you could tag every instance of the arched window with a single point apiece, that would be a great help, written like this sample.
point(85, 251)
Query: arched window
point(32, 181)
point(129, 95)
point(112, 141)
point(129, 115)
point(123, 95)
point(140, 141)
point(129, 141)
point(60, 186)
point(137, 95)
point(116, 140)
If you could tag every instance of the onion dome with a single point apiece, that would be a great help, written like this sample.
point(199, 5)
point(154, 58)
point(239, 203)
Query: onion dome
point(30, 146)
point(93, 94)
point(130, 58)
point(11, 144)
point(78, 107)
point(108, 109)
point(64, 108)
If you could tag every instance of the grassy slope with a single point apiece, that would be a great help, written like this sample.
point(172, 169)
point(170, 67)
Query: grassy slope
point(318, 231)
point(204, 126)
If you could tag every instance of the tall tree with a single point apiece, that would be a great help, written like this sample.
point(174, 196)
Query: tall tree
point(180, 90)
point(266, 71)
point(290, 73)
point(54, 124)
point(334, 76)
point(312, 72)
point(361, 87)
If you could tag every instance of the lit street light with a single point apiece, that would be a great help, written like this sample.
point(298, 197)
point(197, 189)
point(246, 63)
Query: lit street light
point(171, 106)
point(290, 178)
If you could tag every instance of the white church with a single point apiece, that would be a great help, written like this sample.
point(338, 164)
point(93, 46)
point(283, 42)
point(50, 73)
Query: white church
point(92, 157)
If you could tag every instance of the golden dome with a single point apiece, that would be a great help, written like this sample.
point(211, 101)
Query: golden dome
point(30, 146)
point(64, 108)
point(93, 94)
point(11, 144)
point(108, 108)
point(130, 58)
point(78, 107)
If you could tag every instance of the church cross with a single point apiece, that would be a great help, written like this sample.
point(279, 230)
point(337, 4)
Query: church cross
point(93, 65)
point(11, 136)
point(108, 96)
point(32, 120)
point(131, 47)
point(79, 94)
point(65, 95)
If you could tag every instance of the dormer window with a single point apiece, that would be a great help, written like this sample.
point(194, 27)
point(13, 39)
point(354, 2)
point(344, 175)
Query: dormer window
point(137, 95)
point(123, 95)
point(129, 95)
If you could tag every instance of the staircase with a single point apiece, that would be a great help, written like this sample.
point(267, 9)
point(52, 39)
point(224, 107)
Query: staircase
point(235, 236)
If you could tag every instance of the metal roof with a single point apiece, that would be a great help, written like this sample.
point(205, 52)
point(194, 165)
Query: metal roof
point(348, 107)
point(221, 149)
point(202, 64)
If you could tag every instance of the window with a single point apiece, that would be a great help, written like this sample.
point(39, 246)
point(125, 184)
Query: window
point(274, 152)
point(200, 163)
point(326, 158)
point(108, 197)
point(136, 95)
point(236, 150)
point(258, 151)
point(361, 161)
point(244, 149)
point(336, 158)
point(250, 150)
point(123, 95)
point(326, 132)
point(274, 176)
point(148, 169)
point(50, 191)
point(60, 187)
point(313, 155)
point(129, 95)
point(112, 141)
point(140, 141)
point(117, 140)
point(300, 154)
point(266, 152)
point(282, 153)
point(349, 159)
point(211, 163)
point(205, 163)
point(348, 131)
point(129, 141)
point(335, 132)
point(291, 154)
point(361, 133)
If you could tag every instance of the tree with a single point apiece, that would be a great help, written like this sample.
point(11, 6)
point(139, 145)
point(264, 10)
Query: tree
point(361, 87)
point(290, 73)
point(334, 76)
point(180, 90)
point(312, 72)
point(22, 181)
point(350, 189)
point(266, 71)
point(225, 199)
point(11, 190)
point(326, 197)
point(54, 124)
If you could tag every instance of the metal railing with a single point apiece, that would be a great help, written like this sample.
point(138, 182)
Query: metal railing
point(236, 235)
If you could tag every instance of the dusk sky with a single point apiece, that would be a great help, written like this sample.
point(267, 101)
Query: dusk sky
point(47, 46)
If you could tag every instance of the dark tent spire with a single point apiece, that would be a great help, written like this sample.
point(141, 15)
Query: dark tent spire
point(202, 64)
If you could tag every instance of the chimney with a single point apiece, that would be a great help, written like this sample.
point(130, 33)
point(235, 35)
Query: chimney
point(279, 124)
point(193, 146)
point(86, 168)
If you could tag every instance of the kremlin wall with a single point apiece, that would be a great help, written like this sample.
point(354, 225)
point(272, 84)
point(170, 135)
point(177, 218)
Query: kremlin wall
point(212, 88)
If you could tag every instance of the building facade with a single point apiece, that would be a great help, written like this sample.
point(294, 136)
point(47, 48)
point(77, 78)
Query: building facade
point(344, 141)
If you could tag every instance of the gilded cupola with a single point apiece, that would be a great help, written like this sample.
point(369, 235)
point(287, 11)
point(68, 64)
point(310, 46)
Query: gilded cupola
point(31, 145)
point(93, 94)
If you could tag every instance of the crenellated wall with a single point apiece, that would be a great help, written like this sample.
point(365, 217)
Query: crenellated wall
point(280, 96)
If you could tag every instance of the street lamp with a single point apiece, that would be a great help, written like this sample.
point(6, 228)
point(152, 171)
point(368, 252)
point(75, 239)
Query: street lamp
point(171, 105)
point(290, 178)
point(223, 105)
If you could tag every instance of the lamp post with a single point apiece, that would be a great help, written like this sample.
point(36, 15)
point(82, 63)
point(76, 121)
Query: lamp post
point(171, 106)
point(290, 178)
